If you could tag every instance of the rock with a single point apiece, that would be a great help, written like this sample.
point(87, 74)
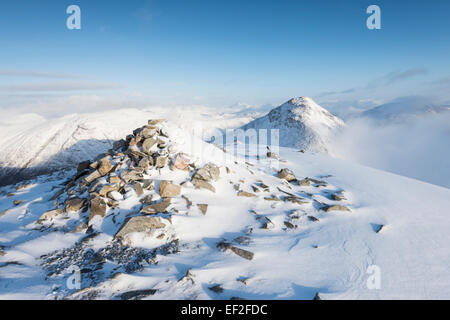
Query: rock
point(168, 189)
point(312, 218)
point(317, 296)
point(105, 166)
point(272, 198)
point(160, 162)
point(50, 214)
point(138, 189)
point(144, 163)
point(286, 174)
point(23, 186)
point(272, 155)
point(188, 202)
point(304, 182)
point(295, 199)
point(245, 194)
point(240, 252)
point(139, 224)
point(108, 188)
point(114, 179)
point(289, 225)
point(243, 240)
point(83, 165)
point(94, 165)
point(148, 144)
point(98, 207)
point(217, 288)
point(148, 184)
point(318, 183)
point(74, 204)
point(154, 121)
point(336, 207)
point(207, 173)
point(160, 207)
point(339, 196)
point(149, 132)
point(81, 227)
point(137, 294)
point(266, 223)
point(92, 176)
point(203, 208)
point(202, 184)
point(181, 161)
point(147, 199)
point(17, 202)
point(130, 175)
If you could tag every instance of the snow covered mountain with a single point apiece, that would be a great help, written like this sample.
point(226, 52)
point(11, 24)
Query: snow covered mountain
point(32, 145)
point(166, 216)
point(302, 123)
point(404, 109)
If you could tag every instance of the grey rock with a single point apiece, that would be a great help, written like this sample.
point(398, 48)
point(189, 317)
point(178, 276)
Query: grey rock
point(336, 207)
point(98, 207)
point(203, 208)
point(202, 184)
point(287, 174)
point(168, 189)
point(139, 224)
point(74, 204)
point(160, 207)
point(50, 214)
point(92, 176)
point(148, 144)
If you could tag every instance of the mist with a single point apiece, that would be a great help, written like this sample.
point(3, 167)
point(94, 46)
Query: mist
point(418, 148)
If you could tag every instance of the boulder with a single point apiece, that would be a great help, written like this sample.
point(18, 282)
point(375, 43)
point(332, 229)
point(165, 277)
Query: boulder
point(74, 204)
point(105, 166)
point(181, 161)
point(246, 194)
point(168, 189)
point(17, 202)
point(108, 188)
point(272, 155)
point(207, 173)
point(138, 189)
point(304, 182)
point(114, 179)
point(159, 207)
point(336, 207)
point(202, 184)
point(98, 207)
point(139, 224)
point(50, 214)
point(160, 162)
point(286, 174)
point(148, 144)
point(92, 176)
point(203, 208)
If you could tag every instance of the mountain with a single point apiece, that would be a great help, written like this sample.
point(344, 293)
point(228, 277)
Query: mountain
point(303, 124)
point(164, 215)
point(32, 145)
point(404, 109)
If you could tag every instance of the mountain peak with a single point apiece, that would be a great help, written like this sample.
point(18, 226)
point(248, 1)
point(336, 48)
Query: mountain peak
point(302, 123)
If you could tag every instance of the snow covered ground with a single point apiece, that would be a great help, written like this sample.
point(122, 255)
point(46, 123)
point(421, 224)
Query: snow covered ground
point(299, 248)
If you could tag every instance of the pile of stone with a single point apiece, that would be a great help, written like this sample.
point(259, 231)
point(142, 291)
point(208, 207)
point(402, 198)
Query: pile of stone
point(102, 183)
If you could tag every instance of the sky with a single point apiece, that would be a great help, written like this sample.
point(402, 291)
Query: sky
point(218, 53)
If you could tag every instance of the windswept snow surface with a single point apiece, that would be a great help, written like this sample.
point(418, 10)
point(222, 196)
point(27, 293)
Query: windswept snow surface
point(330, 256)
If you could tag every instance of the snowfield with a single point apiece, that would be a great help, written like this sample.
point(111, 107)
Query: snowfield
point(278, 241)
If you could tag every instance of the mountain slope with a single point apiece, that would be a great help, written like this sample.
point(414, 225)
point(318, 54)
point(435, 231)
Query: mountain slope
point(35, 145)
point(404, 109)
point(257, 236)
point(302, 123)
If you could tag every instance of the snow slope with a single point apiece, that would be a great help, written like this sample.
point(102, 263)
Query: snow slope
point(302, 123)
point(330, 255)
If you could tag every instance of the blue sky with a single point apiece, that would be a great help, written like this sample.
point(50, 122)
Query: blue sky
point(217, 53)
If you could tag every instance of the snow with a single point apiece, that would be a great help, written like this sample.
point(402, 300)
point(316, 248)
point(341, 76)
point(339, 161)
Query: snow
point(302, 123)
point(330, 256)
